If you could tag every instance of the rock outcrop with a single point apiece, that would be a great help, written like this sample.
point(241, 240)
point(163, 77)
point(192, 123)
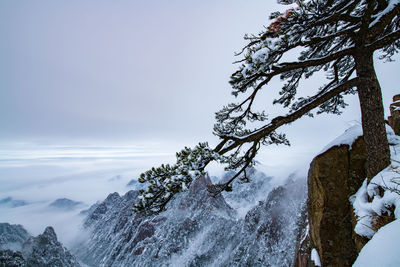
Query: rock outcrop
point(333, 177)
point(394, 119)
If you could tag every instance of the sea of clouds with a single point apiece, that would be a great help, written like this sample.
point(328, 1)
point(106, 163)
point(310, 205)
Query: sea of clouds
point(33, 177)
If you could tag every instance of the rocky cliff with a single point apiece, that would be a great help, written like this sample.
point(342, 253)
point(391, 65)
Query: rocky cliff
point(18, 248)
point(12, 236)
point(333, 177)
point(196, 229)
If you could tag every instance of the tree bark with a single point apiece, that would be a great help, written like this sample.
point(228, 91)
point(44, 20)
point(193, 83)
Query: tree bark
point(372, 114)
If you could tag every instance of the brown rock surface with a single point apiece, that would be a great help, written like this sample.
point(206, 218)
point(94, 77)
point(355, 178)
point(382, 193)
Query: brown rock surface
point(302, 256)
point(333, 177)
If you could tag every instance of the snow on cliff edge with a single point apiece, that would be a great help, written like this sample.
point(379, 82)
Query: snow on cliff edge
point(384, 247)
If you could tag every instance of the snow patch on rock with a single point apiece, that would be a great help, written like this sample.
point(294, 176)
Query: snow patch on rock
point(315, 257)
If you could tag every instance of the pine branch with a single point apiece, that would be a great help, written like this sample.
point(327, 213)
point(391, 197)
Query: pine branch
point(384, 41)
point(283, 120)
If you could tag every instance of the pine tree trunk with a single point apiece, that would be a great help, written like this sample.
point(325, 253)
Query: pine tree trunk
point(372, 114)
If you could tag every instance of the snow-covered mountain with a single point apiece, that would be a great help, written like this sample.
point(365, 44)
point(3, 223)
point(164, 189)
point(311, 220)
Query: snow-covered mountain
point(197, 229)
point(13, 203)
point(18, 248)
point(255, 225)
point(65, 204)
point(12, 236)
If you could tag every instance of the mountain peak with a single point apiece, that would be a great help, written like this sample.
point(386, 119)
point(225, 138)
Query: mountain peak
point(50, 233)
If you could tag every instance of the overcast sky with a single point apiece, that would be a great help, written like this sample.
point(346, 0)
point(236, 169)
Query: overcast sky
point(128, 72)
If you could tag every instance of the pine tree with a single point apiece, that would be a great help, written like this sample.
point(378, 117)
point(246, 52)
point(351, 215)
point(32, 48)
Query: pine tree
point(334, 37)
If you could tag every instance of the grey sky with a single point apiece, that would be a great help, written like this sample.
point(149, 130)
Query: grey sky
point(128, 71)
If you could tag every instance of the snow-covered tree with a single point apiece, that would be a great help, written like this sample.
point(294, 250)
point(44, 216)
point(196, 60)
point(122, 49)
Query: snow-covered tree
point(334, 37)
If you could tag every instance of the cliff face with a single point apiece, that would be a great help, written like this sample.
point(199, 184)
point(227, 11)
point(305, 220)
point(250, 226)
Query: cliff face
point(333, 177)
point(196, 229)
